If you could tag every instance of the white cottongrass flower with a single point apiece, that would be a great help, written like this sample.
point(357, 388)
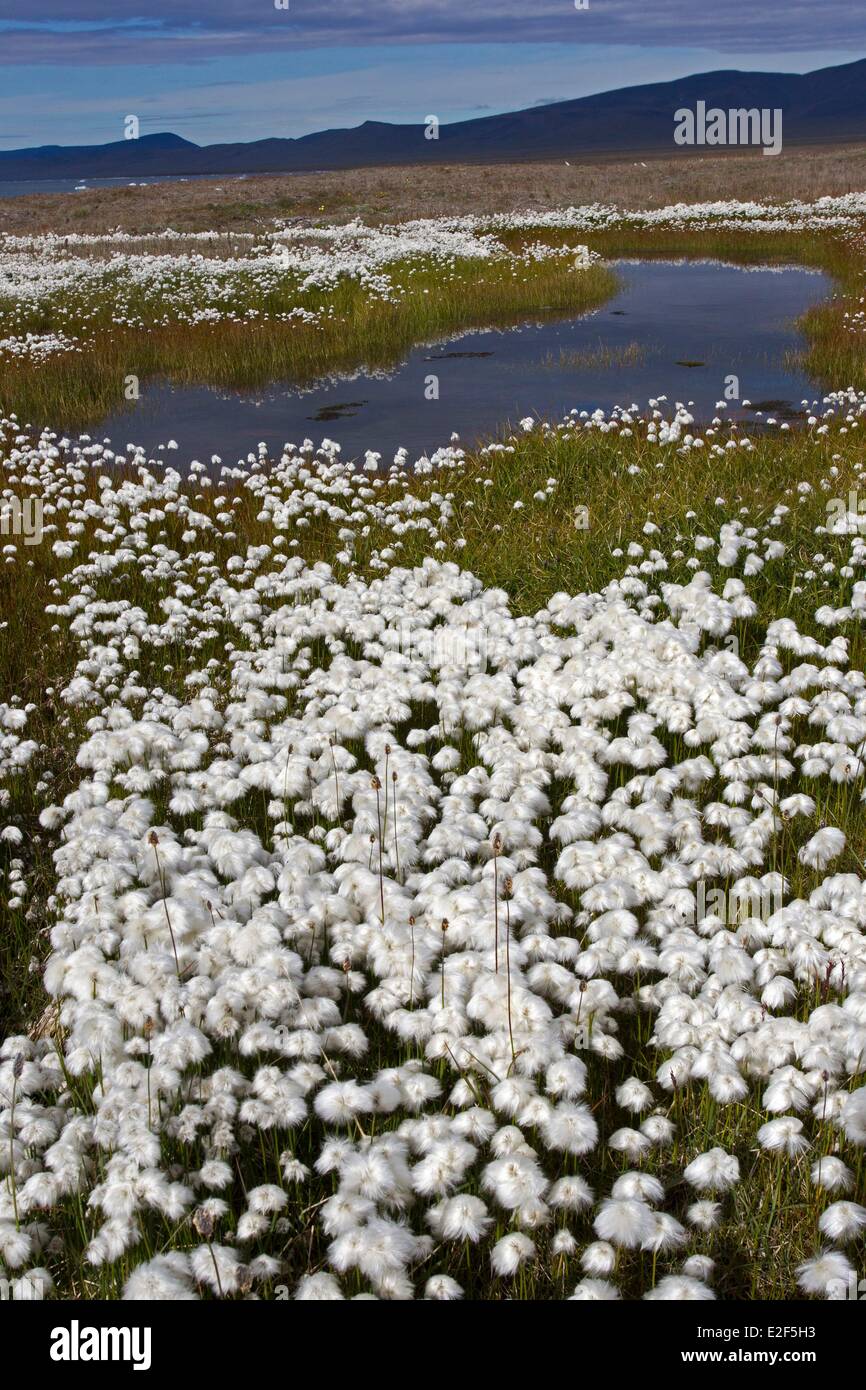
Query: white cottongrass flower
point(713, 1171)
point(594, 1291)
point(629, 1142)
point(633, 1095)
point(645, 1186)
point(463, 1217)
point(704, 1214)
point(824, 1273)
point(442, 1288)
point(832, 1174)
point(854, 1116)
point(165, 1278)
point(699, 1267)
point(667, 1234)
point(318, 1288)
point(217, 1266)
point(341, 1102)
point(842, 1221)
point(680, 1288)
point(659, 1130)
point(563, 1243)
point(570, 1193)
point(599, 1258)
point(570, 1128)
point(784, 1135)
point(514, 1180)
point(509, 1253)
point(624, 1222)
point(824, 846)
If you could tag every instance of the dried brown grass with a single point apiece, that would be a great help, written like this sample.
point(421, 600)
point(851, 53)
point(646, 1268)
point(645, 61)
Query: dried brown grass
point(386, 195)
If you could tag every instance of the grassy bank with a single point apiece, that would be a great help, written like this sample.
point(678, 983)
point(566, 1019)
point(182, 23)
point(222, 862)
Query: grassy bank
point(349, 327)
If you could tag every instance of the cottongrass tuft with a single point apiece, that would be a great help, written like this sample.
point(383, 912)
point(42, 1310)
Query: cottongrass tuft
point(509, 1253)
point(624, 1222)
point(594, 1291)
point(825, 1272)
point(680, 1288)
point(442, 1288)
point(713, 1171)
point(832, 1174)
point(843, 1221)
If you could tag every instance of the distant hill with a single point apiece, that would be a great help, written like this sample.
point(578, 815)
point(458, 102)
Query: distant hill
point(823, 107)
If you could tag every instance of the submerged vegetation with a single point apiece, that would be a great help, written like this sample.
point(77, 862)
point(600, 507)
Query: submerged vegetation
point(441, 880)
point(603, 357)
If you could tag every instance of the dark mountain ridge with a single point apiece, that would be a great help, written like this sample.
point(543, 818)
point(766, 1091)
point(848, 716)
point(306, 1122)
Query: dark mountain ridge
point(827, 106)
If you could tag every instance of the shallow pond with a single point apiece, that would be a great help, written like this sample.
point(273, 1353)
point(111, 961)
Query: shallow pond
point(681, 329)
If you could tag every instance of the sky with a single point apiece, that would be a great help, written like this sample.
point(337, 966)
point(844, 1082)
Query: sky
point(71, 71)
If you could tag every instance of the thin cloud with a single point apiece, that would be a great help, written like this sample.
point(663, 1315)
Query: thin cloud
point(188, 31)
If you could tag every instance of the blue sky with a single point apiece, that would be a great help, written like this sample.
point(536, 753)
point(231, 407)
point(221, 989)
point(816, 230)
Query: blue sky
point(213, 70)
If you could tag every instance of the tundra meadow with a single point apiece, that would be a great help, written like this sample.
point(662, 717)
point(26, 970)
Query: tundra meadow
point(431, 877)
